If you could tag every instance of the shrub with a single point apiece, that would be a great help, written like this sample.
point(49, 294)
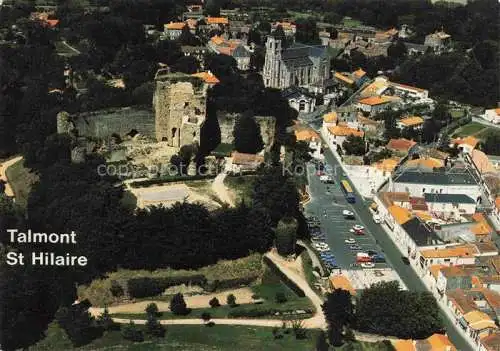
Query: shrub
point(251, 312)
point(298, 329)
point(116, 289)
point(206, 316)
point(255, 297)
point(280, 297)
point(132, 333)
point(231, 300)
point(214, 302)
point(106, 322)
point(178, 305)
point(210, 324)
point(152, 309)
point(154, 328)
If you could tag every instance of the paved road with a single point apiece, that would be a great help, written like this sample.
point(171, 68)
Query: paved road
point(221, 190)
point(485, 122)
point(391, 252)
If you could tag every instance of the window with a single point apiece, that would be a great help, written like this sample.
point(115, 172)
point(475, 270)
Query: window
point(447, 260)
point(423, 190)
point(302, 105)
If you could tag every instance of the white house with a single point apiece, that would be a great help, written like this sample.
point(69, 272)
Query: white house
point(173, 30)
point(492, 115)
point(299, 99)
point(418, 183)
point(448, 203)
point(452, 255)
point(466, 145)
point(415, 122)
point(336, 135)
point(409, 91)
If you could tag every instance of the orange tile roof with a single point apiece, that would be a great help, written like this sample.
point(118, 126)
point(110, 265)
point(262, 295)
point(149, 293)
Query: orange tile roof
point(404, 345)
point(428, 162)
point(400, 144)
point(454, 251)
point(217, 20)
point(342, 130)
point(340, 281)
point(175, 25)
point(343, 78)
point(453, 271)
point(481, 228)
point(52, 22)
point(330, 117)
point(491, 342)
point(208, 77)
point(478, 217)
point(497, 202)
point(424, 215)
point(470, 140)
point(434, 269)
point(491, 296)
point(377, 100)
point(306, 135)
point(392, 31)
point(482, 162)
point(359, 73)
point(191, 22)
point(476, 281)
point(479, 320)
point(225, 51)
point(400, 214)
point(440, 342)
point(285, 25)
point(412, 121)
point(387, 164)
point(217, 40)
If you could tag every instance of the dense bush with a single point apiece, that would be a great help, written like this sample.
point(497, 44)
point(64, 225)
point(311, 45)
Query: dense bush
point(291, 284)
point(132, 333)
point(251, 312)
point(178, 305)
point(146, 183)
point(214, 302)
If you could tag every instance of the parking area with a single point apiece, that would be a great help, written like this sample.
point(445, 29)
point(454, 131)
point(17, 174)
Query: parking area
point(326, 208)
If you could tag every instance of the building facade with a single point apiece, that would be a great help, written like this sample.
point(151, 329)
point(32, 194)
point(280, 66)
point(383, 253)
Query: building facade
point(299, 65)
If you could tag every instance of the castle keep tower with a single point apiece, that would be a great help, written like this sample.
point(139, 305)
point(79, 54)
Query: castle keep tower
point(180, 103)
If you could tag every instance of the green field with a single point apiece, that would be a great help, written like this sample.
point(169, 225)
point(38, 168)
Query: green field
point(188, 338)
point(469, 129)
point(351, 22)
point(21, 181)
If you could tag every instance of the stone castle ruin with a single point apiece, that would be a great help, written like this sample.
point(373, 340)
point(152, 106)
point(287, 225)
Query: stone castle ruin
point(227, 121)
point(180, 104)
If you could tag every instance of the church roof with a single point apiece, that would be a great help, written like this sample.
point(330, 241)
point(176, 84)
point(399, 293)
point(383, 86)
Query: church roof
point(300, 55)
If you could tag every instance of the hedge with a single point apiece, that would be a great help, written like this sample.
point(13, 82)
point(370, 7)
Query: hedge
point(146, 287)
point(231, 283)
point(251, 312)
point(145, 183)
point(288, 282)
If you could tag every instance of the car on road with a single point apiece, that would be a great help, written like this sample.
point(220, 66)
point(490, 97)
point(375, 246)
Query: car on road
point(377, 219)
point(405, 260)
point(350, 241)
point(348, 214)
point(372, 252)
point(367, 265)
point(358, 227)
point(378, 258)
point(355, 248)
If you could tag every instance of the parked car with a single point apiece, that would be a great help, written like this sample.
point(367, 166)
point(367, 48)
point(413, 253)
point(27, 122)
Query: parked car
point(363, 259)
point(372, 253)
point(348, 214)
point(367, 265)
point(377, 219)
point(350, 241)
point(378, 258)
point(405, 260)
point(355, 248)
point(358, 227)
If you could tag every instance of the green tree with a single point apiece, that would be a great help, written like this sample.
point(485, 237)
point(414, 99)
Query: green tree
point(152, 309)
point(247, 137)
point(206, 316)
point(178, 305)
point(214, 302)
point(491, 144)
point(441, 114)
point(413, 315)
point(354, 145)
point(280, 297)
point(397, 51)
point(212, 8)
point(186, 64)
point(231, 300)
point(286, 235)
point(188, 38)
point(79, 325)
point(307, 32)
point(153, 326)
point(339, 313)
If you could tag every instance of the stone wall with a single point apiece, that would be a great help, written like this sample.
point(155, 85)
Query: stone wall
point(180, 109)
point(104, 123)
point(228, 120)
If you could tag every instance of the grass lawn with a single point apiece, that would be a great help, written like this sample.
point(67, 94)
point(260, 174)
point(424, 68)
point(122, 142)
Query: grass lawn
point(21, 181)
point(469, 129)
point(457, 113)
point(307, 266)
point(267, 290)
point(189, 338)
point(351, 22)
point(242, 186)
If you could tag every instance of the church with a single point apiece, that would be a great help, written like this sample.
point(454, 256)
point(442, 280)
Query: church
point(297, 65)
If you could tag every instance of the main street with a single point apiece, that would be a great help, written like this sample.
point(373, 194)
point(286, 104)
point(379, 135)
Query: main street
point(391, 252)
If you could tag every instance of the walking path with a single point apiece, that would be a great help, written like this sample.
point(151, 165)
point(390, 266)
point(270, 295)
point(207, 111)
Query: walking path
point(314, 258)
point(3, 174)
point(221, 190)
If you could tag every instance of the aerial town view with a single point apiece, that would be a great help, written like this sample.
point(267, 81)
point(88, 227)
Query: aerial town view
point(250, 175)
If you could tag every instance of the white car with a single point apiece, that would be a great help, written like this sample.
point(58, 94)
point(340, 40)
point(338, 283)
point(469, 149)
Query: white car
point(358, 228)
point(348, 214)
point(367, 265)
point(350, 241)
point(321, 245)
point(324, 249)
point(377, 219)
